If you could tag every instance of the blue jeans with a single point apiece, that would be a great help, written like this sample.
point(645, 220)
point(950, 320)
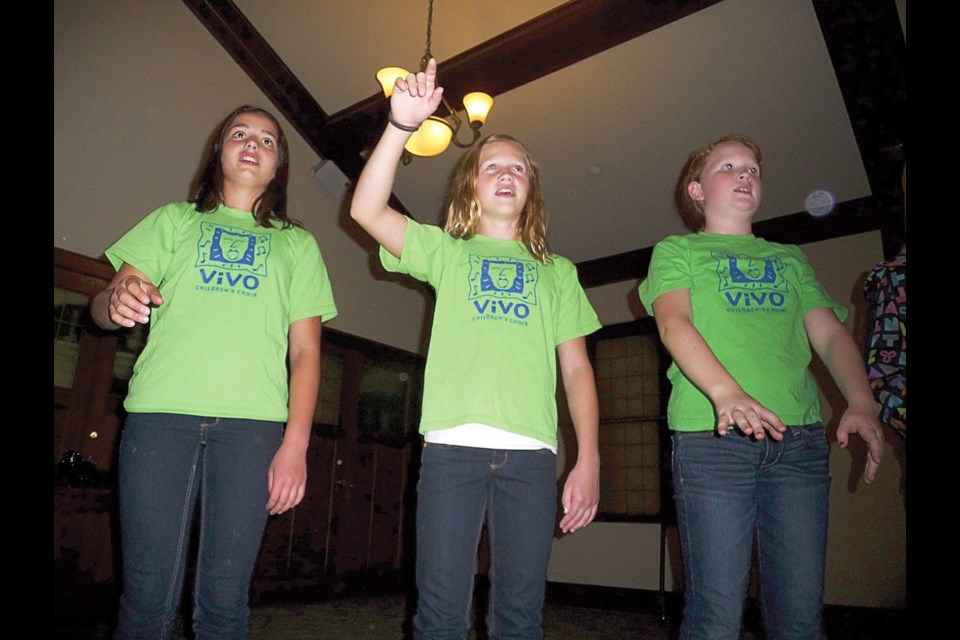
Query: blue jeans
point(168, 463)
point(733, 490)
point(516, 492)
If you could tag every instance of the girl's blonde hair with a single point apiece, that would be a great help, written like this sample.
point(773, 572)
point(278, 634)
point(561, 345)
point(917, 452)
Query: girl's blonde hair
point(463, 207)
point(691, 211)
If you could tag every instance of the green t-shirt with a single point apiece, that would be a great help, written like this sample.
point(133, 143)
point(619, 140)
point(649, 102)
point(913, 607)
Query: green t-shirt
point(218, 343)
point(749, 298)
point(499, 317)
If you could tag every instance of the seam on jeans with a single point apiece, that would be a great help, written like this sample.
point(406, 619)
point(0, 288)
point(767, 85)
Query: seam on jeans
point(691, 563)
point(203, 512)
point(764, 615)
point(187, 507)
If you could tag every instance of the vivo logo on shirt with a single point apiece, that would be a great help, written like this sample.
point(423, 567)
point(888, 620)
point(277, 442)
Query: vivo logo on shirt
point(221, 278)
point(755, 300)
point(231, 259)
point(502, 288)
point(518, 310)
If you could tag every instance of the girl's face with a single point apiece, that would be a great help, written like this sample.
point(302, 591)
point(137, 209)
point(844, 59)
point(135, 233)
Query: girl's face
point(502, 181)
point(729, 184)
point(249, 157)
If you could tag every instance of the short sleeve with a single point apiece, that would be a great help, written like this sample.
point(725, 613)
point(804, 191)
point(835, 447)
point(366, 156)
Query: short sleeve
point(669, 270)
point(576, 316)
point(150, 245)
point(311, 293)
point(424, 250)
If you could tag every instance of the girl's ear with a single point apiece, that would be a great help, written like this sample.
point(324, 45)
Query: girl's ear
point(695, 191)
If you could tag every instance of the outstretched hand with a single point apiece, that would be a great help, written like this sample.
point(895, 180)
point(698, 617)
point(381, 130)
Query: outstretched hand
point(866, 423)
point(416, 96)
point(130, 300)
point(749, 416)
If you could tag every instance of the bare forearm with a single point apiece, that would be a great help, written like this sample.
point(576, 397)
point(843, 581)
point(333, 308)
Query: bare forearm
point(126, 301)
point(696, 359)
point(842, 359)
point(304, 381)
point(581, 390)
point(376, 180)
point(100, 310)
point(414, 99)
point(581, 491)
point(734, 407)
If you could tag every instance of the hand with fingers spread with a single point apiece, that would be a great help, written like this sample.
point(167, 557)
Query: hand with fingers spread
point(415, 97)
point(737, 409)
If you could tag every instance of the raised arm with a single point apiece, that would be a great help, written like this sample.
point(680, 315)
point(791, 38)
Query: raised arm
point(581, 491)
point(413, 100)
point(674, 315)
point(126, 300)
point(836, 348)
point(287, 476)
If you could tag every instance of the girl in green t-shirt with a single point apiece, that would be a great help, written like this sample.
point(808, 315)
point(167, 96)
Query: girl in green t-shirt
point(750, 456)
point(506, 309)
point(222, 433)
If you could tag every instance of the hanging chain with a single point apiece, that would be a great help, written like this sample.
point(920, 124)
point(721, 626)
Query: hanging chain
point(427, 54)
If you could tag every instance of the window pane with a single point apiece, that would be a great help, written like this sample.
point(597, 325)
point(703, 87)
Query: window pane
point(328, 401)
point(628, 381)
point(628, 389)
point(385, 397)
point(130, 342)
point(630, 468)
point(68, 310)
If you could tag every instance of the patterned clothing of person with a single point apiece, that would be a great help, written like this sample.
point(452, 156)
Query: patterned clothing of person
point(886, 342)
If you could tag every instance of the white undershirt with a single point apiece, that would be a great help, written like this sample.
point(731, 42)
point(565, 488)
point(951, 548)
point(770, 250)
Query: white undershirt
point(482, 436)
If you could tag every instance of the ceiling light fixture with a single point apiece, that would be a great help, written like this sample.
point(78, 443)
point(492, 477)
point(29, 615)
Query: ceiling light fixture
point(436, 133)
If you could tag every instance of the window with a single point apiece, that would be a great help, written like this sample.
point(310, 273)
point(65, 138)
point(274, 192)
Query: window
point(632, 390)
point(326, 417)
point(68, 310)
point(386, 402)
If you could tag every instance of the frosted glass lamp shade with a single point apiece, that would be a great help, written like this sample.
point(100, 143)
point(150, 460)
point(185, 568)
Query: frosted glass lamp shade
point(387, 76)
point(431, 139)
point(478, 106)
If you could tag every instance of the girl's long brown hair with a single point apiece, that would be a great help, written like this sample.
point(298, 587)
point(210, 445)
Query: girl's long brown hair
point(272, 203)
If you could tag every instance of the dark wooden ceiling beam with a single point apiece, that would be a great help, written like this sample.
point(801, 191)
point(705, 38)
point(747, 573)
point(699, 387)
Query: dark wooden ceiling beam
point(552, 41)
point(237, 35)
